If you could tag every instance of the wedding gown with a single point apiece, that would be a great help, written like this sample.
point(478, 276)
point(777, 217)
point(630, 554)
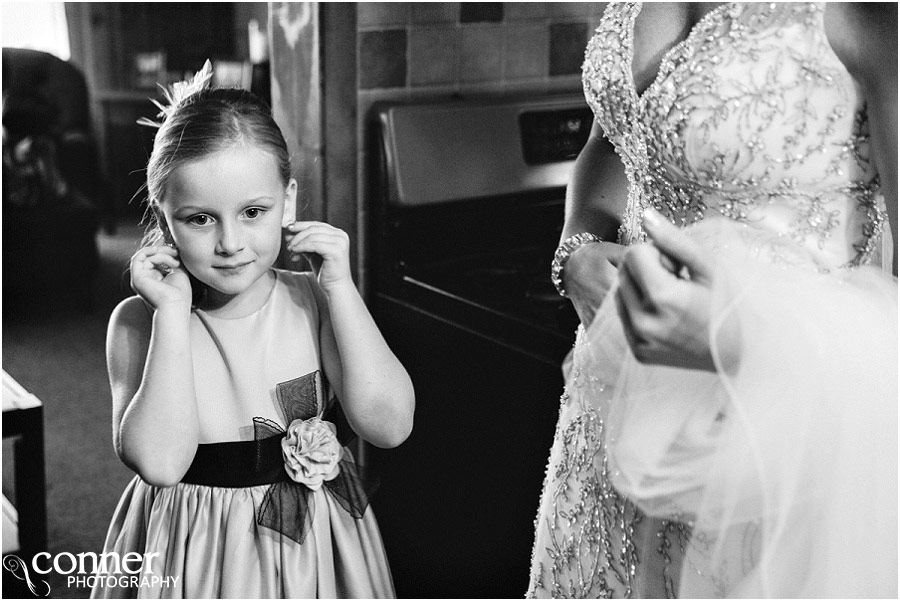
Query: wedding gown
point(777, 476)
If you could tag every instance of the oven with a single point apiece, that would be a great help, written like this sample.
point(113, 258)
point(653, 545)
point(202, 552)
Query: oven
point(466, 209)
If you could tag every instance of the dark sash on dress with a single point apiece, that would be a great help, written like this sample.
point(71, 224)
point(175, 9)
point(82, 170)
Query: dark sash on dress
point(241, 464)
point(238, 464)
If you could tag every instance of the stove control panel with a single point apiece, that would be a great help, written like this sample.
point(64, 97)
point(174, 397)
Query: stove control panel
point(551, 136)
point(441, 152)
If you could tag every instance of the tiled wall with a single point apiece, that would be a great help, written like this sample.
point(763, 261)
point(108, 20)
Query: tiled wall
point(472, 46)
point(423, 50)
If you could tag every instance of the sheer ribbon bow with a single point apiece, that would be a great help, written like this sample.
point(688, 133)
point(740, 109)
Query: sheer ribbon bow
point(285, 507)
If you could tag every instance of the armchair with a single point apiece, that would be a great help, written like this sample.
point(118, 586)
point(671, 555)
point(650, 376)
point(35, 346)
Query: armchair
point(53, 187)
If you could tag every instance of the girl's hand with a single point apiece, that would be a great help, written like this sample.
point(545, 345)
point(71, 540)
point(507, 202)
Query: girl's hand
point(588, 276)
point(327, 249)
point(664, 297)
point(157, 276)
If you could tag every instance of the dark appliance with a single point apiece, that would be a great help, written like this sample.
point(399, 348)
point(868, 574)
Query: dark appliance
point(467, 208)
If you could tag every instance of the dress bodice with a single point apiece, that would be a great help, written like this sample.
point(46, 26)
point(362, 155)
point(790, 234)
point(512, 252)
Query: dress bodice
point(239, 363)
point(752, 117)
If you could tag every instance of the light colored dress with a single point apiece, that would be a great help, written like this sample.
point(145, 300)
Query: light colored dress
point(776, 477)
point(212, 539)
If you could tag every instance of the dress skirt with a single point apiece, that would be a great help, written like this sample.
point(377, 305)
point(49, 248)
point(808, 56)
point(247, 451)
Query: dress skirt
point(208, 545)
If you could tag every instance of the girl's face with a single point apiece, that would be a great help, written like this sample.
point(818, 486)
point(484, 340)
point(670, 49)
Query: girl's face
point(225, 213)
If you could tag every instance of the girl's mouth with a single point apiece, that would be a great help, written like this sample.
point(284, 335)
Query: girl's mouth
point(232, 269)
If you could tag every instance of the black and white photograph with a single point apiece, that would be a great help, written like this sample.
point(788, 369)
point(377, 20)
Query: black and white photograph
point(449, 300)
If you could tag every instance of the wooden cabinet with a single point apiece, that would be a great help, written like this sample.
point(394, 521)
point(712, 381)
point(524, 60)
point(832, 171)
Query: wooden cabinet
point(25, 526)
point(128, 146)
point(108, 38)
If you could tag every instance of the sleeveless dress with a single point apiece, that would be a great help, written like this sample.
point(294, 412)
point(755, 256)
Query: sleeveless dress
point(252, 375)
point(775, 477)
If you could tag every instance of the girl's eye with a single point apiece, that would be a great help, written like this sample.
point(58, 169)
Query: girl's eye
point(199, 220)
point(253, 212)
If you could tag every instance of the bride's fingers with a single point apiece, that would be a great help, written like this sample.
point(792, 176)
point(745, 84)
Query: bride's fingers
point(637, 274)
point(622, 306)
point(680, 248)
point(639, 306)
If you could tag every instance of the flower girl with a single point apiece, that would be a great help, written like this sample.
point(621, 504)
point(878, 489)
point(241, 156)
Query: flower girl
point(226, 374)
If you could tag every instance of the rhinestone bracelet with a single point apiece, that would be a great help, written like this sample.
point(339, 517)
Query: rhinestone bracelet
point(562, 254)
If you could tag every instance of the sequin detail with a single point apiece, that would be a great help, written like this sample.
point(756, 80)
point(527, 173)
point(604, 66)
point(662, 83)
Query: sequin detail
point(782, 146)
point(752, 118)
point(587, 533)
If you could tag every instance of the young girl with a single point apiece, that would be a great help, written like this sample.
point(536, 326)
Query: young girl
point(226, 375)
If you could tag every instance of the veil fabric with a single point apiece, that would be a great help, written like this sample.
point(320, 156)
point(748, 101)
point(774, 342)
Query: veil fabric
point(784, 464)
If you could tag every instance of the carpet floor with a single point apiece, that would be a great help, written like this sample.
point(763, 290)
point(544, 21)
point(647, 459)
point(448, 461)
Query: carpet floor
point(56, 351)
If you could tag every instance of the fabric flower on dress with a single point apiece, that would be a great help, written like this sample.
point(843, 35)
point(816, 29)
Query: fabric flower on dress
point(312, 458)
point(312, 453)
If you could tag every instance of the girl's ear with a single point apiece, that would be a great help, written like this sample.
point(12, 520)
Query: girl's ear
point(290, 204)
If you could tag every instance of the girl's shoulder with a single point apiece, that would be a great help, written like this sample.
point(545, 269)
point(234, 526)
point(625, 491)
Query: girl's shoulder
point(129, 331)
point(132, 312)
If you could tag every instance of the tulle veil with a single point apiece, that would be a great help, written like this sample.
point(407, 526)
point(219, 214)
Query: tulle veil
point(784, 464)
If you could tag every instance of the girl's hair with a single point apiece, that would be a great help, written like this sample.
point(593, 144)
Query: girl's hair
point(205, 122)
point(200, 121)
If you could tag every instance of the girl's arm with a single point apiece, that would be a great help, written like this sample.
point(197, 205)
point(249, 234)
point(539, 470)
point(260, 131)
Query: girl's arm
point(155, 422)
point(374, 389)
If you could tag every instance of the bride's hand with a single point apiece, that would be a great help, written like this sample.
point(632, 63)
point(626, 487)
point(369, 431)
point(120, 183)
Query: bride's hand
point(664, 295)
point(589, 274)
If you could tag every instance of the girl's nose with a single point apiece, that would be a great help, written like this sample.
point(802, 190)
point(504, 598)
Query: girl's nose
point(230, 239)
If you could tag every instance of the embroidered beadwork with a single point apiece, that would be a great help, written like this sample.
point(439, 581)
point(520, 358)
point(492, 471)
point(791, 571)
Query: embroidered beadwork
point(789, 131)
point(752, 115)
point(586, 527)
point(586, 532)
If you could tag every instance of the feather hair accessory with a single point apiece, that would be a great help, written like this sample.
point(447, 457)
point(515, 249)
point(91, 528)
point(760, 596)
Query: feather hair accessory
point(178, 92)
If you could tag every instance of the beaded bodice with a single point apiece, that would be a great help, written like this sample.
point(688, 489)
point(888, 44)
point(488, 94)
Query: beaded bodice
point(752, 117)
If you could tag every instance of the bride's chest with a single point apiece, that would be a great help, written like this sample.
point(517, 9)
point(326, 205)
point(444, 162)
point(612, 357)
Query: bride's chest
point(659, 27)
point(747, 93)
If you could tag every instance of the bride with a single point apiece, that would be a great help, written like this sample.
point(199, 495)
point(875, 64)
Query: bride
point(729, 424)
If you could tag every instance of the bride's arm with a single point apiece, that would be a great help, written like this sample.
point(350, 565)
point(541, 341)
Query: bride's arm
point(864, 37)
point(595, 201)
